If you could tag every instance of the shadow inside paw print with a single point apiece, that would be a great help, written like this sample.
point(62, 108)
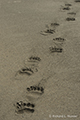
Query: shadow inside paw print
point(35, 89)
point(48, 31)
point(55, 49)
point(22, 107)
point(70, 19)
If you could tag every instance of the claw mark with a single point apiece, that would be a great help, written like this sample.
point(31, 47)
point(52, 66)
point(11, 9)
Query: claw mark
point(59, 39)
point(32, 62)
point(35, 89)
point(54, 24)
point(34, 59)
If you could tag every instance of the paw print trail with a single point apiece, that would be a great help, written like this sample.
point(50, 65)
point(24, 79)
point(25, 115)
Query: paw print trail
point(35, 91)
point(30, 96)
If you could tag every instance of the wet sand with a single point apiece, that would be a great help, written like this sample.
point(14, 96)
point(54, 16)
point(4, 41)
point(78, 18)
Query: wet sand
point(28, 29)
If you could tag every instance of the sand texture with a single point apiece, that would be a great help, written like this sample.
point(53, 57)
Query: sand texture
point(39, 60)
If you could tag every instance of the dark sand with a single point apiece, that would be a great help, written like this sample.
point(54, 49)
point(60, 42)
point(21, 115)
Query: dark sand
point(21, 23)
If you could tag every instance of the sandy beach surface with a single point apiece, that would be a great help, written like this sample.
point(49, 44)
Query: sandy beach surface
point(30, 28)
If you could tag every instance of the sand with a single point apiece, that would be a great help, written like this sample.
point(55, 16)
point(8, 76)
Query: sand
point(23, 25)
